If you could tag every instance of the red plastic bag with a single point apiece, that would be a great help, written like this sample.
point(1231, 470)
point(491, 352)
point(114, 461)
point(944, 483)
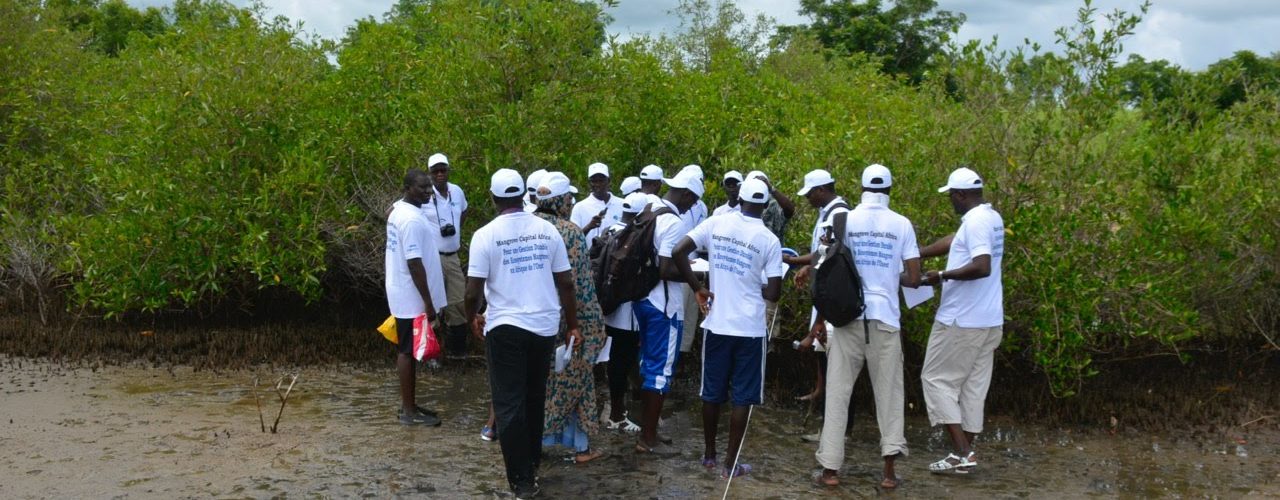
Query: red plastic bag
point(425, 343)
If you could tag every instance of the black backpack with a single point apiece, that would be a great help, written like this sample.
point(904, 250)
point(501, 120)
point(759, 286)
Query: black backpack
point(837, 287)
point(624, 264)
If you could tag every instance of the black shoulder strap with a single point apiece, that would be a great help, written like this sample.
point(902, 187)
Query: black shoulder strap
point(833, 209)
point(837, 238)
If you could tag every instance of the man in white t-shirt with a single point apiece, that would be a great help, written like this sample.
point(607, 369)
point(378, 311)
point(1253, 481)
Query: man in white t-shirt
point(660, 315)
point(623, 329)
point(414, 284)
point(887, 257)
point(820, 190)
point(970, 320)
point(447, 212)
point(731, 183)
point(744, 259)
point(519, 265)
point(600, 208)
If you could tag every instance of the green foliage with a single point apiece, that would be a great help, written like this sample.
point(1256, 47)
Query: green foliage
point(224, 153)
point(108, 25)
point(904, 37)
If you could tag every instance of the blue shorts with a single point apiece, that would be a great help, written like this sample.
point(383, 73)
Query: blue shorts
point(659, 345)
point(729, 360)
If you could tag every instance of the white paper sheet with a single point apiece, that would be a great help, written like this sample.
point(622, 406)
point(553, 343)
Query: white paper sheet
point(604, 353)
point(917, 296)
point(563, 353)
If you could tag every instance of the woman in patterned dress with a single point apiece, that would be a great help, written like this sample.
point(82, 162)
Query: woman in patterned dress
point(571, 393)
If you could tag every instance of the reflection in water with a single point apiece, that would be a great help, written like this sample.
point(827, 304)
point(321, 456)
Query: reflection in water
point(162, 433)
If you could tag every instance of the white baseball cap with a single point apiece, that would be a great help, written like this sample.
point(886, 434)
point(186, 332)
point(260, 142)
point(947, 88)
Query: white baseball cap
point(597, 168)
point(754, 191)
point(630, 185)
point(687, 179)
point(732, 174)
point(962, 178)
point(651, 173)
point(506, 183)
point(437, 159)
point(635, 202)
point(756, 173)
point(693, 167)
point(555, 184)
point(534, 179)
point(876, 176)
point(814, 179)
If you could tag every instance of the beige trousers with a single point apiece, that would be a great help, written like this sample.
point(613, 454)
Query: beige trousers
point(455, 289)
point(957, 373)
point(847, 351)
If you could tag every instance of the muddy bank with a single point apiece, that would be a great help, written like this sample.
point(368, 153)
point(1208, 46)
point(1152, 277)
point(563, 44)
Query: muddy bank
point(1211, 393)
point(152, 433)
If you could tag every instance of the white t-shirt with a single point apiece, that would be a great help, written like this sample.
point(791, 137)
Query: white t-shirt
point(725, 209)
point(975, 303)
point(667, 231)
point(824, 216)
point(623, 317)
point(516, 253)
point(742, 253)
point(695, 215)
point(880, 240)
point(441, 212)
point(409, 237)
point(584, 210)
point(819, 227)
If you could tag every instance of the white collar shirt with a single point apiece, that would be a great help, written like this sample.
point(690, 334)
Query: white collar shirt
point(585, 210)
point(442, 211)
point(726, 209)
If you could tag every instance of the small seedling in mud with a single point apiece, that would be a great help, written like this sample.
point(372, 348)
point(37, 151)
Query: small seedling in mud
point(282, 392)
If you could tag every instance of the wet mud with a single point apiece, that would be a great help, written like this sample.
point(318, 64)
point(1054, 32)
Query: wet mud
point(145, 432)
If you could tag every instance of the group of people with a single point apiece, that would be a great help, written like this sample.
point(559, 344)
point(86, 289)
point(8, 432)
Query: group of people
point(530, 297)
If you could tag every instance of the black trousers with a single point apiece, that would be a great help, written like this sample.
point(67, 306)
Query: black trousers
point(519, 361)
point(624, 357)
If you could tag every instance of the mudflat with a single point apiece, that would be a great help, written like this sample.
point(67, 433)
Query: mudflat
point(176, 432)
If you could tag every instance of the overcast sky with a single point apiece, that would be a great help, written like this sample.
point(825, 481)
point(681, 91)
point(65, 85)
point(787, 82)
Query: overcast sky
point(1190, 33)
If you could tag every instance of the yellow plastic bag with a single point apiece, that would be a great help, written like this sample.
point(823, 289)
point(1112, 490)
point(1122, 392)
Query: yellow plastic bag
point(388, 330)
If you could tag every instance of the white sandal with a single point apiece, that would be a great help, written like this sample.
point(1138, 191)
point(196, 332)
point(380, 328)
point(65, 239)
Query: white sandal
point(944, 466)
point(626, 425)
